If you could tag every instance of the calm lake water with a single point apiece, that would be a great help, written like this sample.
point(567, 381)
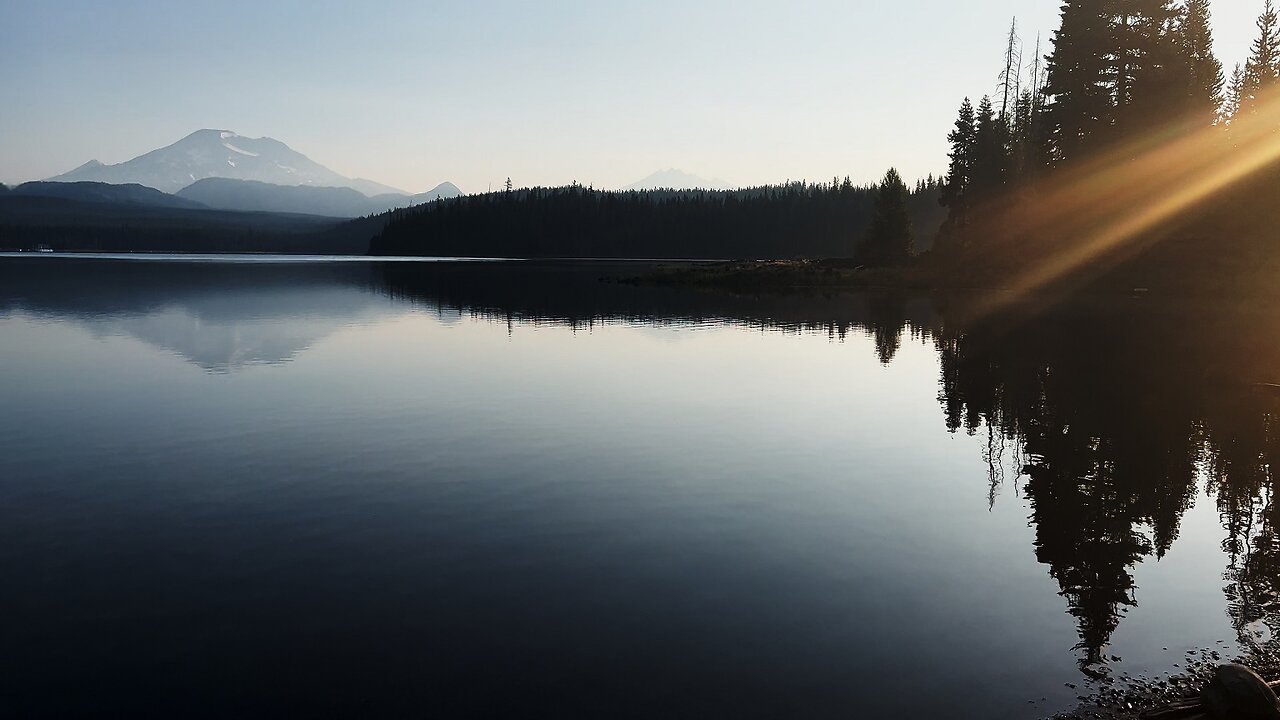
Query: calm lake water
point(310, 489)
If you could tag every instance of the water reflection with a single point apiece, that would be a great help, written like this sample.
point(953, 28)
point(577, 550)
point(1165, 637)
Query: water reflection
point(1111, 417)
point(601, 293)
point(220, 317)
point(1121, 411)
point(1110, 420)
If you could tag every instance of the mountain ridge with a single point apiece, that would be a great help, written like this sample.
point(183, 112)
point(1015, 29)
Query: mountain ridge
point(215, 153)
point(676, 179)
point(343, 202)
point(98, 192)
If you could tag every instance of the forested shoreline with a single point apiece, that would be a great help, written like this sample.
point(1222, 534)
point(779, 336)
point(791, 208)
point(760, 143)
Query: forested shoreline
point(797, 219)
point(1116, 150)
point(1125, 157)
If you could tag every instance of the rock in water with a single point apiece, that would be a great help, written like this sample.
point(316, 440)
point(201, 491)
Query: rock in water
point(1238, 692)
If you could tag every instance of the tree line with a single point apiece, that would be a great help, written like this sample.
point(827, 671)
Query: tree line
point(1123, 107)
point(1118, 69)
point(1129, 107)
point(796, 219)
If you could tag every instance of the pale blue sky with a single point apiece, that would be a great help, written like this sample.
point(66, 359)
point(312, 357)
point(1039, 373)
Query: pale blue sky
point(415, 93)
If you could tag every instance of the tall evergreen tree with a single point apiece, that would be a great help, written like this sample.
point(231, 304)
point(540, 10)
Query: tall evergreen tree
point(888, 240)
point(1262, 71)
point(990, 153)
point(1235, 95)
point(1203, 67)
point(955, 189)
point(1078, 78)
point(1152, 75)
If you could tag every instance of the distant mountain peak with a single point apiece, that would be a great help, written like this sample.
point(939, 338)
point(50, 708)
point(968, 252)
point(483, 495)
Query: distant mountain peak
point(676, 179)
point(219, 153)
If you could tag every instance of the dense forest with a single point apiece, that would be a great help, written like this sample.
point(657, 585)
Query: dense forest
point(1123, 154)
point(793, 220)
point(75, 225)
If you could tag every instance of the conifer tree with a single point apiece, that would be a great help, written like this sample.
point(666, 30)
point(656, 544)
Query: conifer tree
point(1152, 73)
point(1020, 137)
point(1262, 71)
point(1235, 94)
point(955, 189)
point(888, 240)
point(1078, 75)
point(1203, 68)
point(990, 156)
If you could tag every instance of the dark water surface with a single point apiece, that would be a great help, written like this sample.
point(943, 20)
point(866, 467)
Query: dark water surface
point(507, 490)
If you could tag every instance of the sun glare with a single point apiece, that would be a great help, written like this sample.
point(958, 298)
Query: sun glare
point(1115, 204)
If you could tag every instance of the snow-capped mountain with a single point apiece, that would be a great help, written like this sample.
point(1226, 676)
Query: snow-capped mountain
point(674, 179)
point(220, 154)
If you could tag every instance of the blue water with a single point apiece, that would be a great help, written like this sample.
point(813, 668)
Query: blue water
point(279, 489)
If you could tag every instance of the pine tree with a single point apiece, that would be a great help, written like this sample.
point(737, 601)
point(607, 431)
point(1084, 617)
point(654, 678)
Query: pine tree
point(1152, 75)
point(1235, 95)
point(888, 240)
point(1262, 71)
point(1078, 79)
point(1204, 70)
point(990, 155)
point(955, 189)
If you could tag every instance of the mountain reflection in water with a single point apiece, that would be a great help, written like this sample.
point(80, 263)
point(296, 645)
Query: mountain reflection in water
point(219, 316)
point(1110, 418)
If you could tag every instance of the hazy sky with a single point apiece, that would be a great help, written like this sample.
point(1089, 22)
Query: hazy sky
point(413, 93)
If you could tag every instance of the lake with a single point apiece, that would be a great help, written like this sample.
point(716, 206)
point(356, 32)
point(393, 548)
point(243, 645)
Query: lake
point(280, 487)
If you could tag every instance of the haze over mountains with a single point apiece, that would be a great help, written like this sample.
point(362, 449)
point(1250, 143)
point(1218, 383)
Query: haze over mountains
point(221, 170)
point(673, 179)
point(95, 192)
point(255, 196)
point(222, 154)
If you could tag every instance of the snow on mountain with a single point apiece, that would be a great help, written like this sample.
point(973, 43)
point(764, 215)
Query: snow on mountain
point(220, 154)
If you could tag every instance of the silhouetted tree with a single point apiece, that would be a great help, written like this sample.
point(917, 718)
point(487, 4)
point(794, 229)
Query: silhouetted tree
point(1078, 80)
point(1151, 75)
point(1235, 95)
point(1204, 70)
point(955, 188)
point(1011, 76)
point(1262, 70)
point(889, 237)
point(990, 153)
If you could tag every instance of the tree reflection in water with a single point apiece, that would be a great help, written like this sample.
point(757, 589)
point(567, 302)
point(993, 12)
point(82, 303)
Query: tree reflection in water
point(1120, 415)
point(1109, 416)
